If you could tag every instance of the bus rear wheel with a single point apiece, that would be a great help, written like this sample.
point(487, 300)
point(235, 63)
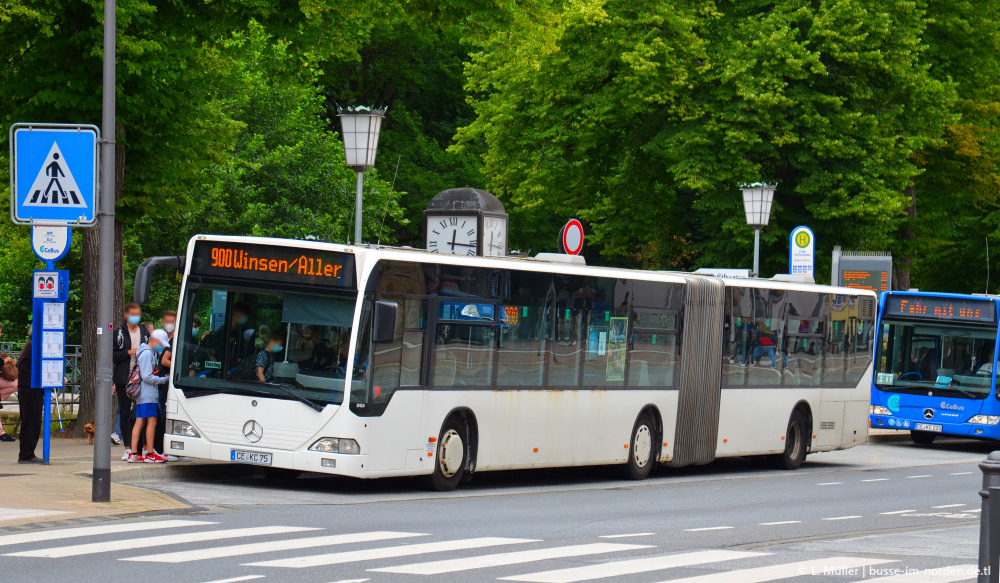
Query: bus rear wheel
point(642, 448)
point(451, 457)
point(795, 443)
point(922, 437)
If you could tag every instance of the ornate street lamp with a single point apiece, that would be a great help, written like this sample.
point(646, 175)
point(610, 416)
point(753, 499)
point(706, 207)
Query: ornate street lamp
point(359, 127)
point(757, 199)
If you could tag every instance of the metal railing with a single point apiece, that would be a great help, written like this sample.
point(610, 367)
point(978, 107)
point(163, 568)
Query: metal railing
point(68, 397)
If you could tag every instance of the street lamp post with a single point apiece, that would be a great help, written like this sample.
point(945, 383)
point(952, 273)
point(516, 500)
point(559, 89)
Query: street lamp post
point(359, 127)
point(757, 199)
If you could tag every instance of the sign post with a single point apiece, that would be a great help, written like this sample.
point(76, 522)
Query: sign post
point(53, 186)
point(48, 338)
point(571, 238)
point(802, 252)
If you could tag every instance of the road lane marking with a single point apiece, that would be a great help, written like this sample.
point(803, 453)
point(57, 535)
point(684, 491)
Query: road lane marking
point(897, 512)
point(841, 518)
point(920, 476)
point(781, 522)
point(948, 506)
point(390, 552)
point(976, 510)
point(63, 533)
point(271, 546)
point(784, 571)
point(626, 535)
point(959, 473)
point(351, 581)
point(830, 484)
point(876, 480)
point(631, 567)
point(514, 558)
point(154, 541)
point(237, 579)
point(708, 528)
point(942, 575)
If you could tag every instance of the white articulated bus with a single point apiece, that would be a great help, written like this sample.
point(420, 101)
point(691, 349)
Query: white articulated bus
point(374, 362)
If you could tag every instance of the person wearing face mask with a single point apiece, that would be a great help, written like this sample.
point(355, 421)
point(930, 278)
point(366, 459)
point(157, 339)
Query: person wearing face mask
point(127, 339)
point(148, 400)
point(169, 321)
point(266, 357)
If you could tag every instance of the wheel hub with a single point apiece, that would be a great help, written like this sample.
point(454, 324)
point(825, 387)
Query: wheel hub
point(452, 453)
point(642, 448)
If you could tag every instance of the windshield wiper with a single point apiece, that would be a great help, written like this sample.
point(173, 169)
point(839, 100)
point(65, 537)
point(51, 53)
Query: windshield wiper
point(953, 386)
point(315, 406)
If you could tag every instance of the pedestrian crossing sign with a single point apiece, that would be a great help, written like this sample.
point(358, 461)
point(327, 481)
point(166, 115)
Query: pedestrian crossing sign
point(54, 174)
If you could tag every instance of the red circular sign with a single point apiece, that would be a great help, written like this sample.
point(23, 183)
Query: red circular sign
point(572, 237)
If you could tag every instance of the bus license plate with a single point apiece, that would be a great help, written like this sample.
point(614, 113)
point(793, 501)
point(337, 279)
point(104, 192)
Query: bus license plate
point(927, 427)
point(251, 457)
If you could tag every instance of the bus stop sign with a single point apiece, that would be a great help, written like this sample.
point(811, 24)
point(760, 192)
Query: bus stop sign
point(53, 174)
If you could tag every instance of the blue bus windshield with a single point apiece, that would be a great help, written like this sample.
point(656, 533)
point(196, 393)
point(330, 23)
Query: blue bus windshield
point(951, 359)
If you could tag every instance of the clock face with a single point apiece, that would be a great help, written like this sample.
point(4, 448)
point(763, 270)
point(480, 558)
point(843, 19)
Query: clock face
point(453, 235)
point(494, 236)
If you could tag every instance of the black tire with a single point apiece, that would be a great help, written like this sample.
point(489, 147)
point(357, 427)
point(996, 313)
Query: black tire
point(796, 443)
point(922, 437)
point(280, 474)
point(451, 457)
point(642, 448)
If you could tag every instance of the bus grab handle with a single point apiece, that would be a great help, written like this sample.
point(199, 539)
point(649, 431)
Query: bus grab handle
point(144, 275)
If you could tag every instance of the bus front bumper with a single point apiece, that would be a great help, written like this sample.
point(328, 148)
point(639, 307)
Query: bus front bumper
point(955, 429)
point(306, 461)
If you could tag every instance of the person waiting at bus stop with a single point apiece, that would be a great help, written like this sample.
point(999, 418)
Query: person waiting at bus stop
point(31, 403)
point(127, 339)
point(148, 399)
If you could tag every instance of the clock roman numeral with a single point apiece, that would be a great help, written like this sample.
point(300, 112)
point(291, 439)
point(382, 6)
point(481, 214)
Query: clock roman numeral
point(453, 220)
point(444, 224)
point(471, 252)
point(471, 233)
point(433, 243)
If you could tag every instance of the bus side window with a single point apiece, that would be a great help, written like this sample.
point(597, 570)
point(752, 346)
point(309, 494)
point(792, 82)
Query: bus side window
point(522, 349)
point(654, 341)
point(566, 328)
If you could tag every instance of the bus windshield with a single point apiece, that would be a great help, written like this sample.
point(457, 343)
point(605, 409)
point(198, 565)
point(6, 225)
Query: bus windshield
point(953, 359)
point(265, 342)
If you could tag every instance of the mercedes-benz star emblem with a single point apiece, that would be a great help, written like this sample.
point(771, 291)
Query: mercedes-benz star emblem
point(928, 414)
point(252, 431)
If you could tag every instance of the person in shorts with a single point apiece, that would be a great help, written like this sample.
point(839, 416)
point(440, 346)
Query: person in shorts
point(148, 399)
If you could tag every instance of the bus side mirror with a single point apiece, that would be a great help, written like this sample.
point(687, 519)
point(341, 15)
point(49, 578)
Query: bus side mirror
point(385, 322)
point(144, 275)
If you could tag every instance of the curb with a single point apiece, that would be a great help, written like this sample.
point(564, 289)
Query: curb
point(180, 471)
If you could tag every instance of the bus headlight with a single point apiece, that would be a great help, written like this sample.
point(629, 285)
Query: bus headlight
point(176, 427)
point(984, 419)
point(336, 445)
point(880, 410)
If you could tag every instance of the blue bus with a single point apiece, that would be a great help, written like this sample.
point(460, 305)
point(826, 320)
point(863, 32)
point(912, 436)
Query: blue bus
point(935, 368)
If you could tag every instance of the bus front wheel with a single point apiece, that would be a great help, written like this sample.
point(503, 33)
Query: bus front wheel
point(451, 456)
point(642, 448)
point(795, 443)
point(922, 437)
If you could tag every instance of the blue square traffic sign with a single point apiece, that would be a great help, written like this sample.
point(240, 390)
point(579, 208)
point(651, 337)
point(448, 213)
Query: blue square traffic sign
point(54, 174)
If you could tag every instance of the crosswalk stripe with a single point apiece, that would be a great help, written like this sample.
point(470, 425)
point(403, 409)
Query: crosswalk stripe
point(116, 528)
point(631, 567)
point(952, 574)
point(515, 558)
point(390, 552)
point(271, 546)
point(835, 565)
point(155, 541)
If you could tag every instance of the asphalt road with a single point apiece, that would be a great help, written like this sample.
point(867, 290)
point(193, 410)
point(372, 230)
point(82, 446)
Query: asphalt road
point(858, 515)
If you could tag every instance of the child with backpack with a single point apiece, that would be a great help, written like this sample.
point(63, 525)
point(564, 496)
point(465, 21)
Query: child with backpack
point(143, 387)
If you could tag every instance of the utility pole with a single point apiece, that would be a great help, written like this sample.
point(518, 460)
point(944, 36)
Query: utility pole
point(101, 488)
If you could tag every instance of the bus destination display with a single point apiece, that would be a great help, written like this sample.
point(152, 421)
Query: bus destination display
point(272, 262)
point(941, 308)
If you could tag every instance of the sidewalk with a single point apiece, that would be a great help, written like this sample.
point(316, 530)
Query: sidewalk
point(62, 489)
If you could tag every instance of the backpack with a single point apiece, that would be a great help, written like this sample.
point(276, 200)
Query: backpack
point(134, 384)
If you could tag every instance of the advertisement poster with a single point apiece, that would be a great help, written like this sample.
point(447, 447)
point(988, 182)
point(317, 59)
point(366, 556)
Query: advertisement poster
point(617, 344)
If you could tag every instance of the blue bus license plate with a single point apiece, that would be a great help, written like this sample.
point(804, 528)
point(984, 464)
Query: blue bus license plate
point(927, 427)
point(252, 457)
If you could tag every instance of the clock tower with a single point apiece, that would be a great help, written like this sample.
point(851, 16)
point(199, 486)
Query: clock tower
point(466, 221)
